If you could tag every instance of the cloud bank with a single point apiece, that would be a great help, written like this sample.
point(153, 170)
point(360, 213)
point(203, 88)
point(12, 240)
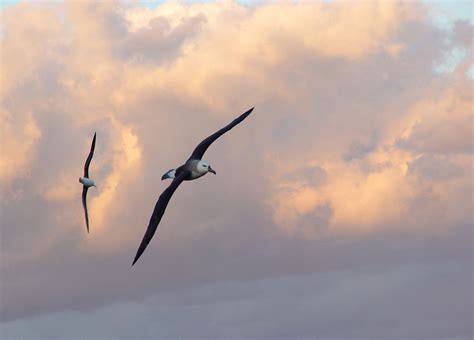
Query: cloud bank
point(348, 189)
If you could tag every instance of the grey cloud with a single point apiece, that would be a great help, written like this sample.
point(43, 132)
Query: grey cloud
point(159, 42)
point(313, 176)
point(442, 136)
point(319, 218)
point(435, 168)
point(411, 304)
point(218, 263)
point(462, 33)
point(359, 151)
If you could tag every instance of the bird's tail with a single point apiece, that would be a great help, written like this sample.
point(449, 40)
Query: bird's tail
point(169, 174)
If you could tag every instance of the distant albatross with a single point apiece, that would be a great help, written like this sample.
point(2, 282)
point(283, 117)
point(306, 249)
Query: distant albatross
point(86, 181)
point(194, 168)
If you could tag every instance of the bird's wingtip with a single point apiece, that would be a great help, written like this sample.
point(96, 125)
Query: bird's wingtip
point(246, 113)
point(137, 256)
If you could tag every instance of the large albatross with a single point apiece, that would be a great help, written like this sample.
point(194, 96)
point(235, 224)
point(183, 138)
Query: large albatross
point(86, 181)
point(194, 168)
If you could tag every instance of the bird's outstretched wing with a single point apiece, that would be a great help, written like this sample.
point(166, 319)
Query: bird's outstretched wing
point(89, 158)
point(159, 211)
point(84, 204)
point(202, 147)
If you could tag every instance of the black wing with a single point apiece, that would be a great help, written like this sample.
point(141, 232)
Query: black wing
point(202, 147)
point(89, 158)
point(84, 204)
point(159, 211)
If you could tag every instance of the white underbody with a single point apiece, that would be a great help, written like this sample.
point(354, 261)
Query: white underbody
point(198, 169)
point(87, 182)
point(196, 174)
point(171, 173)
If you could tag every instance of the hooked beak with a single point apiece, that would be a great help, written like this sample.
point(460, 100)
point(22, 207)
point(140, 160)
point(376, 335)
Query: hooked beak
point(211, 170)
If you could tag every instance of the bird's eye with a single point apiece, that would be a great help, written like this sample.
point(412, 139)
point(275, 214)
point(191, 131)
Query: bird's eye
point(205, 165)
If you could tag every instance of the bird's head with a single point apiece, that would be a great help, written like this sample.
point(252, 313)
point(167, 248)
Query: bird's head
point(205, 167)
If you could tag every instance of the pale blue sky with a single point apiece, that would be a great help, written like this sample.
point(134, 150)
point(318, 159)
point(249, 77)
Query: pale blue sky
point(446, 11)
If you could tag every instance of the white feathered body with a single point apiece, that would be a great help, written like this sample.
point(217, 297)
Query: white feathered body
point(86, 182)
point(198, 168)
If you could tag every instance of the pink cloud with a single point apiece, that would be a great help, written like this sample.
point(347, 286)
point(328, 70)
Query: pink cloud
point(354, 142)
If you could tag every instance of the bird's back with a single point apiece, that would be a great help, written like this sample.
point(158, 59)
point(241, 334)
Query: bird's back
point(192, 166)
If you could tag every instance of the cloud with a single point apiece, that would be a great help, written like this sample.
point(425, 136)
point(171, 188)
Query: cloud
point(443, 125)
point(435, 168)
point(293, 306)
point(358, 157)
point(126, 164)
point(159, 42)
point(18, 139)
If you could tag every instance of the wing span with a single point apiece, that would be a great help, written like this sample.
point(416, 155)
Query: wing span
point(202, 147)
point(158, 212)
point(89, 158)
point(84, 204)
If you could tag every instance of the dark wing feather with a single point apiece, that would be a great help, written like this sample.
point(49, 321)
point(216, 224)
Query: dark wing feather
point(89, 158)
point(202, 147)
point(84, 204)
point(159, 211)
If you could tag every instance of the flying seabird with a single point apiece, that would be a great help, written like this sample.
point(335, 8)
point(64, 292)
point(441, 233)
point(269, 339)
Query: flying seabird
point(194, 168)
point(86, 181)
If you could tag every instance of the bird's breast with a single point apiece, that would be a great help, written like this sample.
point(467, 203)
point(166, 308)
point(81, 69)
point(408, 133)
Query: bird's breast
point(196, 174)
point(86, 181)
point(192, 167)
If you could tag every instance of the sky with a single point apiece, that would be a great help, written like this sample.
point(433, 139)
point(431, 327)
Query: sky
point(342, 207)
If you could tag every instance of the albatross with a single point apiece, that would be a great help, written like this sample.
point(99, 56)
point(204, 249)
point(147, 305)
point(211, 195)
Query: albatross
point(86, 181)
point(194, 168)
